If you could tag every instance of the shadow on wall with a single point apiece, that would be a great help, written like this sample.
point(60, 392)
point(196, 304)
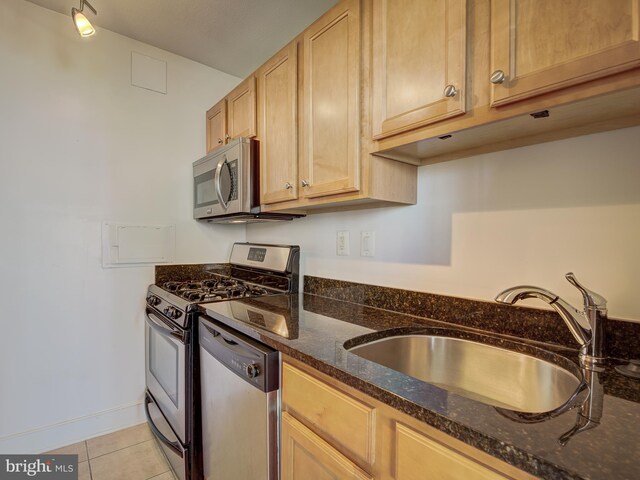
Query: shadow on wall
point(589, 171)
point(519, 186)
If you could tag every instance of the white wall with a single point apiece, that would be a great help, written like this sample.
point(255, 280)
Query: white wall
point(481, 224)
point(79, 145)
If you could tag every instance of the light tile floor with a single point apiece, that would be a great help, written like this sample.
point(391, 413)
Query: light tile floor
point(129, 454)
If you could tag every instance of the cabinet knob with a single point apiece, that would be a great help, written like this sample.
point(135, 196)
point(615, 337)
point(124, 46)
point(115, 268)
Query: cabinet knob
point(305, 183)
point(288, 186)
point(450, 91)
point(227, 137)
point(219, 141)
point(497, 77)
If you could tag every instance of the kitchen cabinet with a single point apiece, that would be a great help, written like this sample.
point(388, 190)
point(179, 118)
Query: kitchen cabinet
point(241, 110)
point(336, 431)
point(570, 68)
point(419, 63)
point(305, 455)
point(421, 456)
point(233, 116)
point(331, 140)
point(539, 46)
point(334, 167)
point(216, 125)
point(278, 126)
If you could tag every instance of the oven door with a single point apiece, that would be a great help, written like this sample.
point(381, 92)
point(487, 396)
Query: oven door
point(165, 369)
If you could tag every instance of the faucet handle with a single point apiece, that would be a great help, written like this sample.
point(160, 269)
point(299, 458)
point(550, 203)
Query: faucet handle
point(591, 299)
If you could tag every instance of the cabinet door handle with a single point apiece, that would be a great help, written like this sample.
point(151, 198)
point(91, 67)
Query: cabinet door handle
point(497, 77)
point(227, 137)
point(288, 186)
point(219, 141)
point(305, 183)
point(450, 91)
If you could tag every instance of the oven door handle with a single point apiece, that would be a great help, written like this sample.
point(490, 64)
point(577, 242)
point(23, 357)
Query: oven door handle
point(216, 182)
point(163, 329)
point(174, 446)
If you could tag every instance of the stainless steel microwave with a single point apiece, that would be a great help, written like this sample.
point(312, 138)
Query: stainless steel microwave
point(226, 185)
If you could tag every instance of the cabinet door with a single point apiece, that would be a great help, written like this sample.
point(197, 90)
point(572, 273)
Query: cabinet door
point(420, 457)
point(306, 456)
point(216, 125)
point(278, 126)
point(241, 106)
point(331, 102)
point(545, 45)
point(419, 63)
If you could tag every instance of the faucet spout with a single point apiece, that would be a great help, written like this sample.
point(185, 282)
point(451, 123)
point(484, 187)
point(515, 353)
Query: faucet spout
point(587, 326)
point(572, 317)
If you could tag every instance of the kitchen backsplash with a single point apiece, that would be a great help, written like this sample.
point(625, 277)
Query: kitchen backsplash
point(623, 337)
point(187, 272)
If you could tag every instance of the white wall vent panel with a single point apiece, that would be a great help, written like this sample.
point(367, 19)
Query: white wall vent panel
point(127, 245)
point(149, 73)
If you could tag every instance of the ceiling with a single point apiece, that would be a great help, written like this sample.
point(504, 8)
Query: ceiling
point(235, 36)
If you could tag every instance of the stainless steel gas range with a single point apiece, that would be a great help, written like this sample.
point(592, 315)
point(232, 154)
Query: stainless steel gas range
point(172, 397)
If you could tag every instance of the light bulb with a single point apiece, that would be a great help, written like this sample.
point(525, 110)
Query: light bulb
point(83, 25)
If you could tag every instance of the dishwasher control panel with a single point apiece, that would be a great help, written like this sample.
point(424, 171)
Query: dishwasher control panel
point(253, 361)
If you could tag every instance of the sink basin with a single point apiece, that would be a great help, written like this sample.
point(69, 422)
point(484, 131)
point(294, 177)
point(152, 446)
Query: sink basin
point(492, 375)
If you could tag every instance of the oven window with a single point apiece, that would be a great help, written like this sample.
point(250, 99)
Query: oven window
point(163, 364)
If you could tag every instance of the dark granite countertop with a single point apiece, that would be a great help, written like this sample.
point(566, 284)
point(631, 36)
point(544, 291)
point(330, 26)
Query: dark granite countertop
point(314, 329)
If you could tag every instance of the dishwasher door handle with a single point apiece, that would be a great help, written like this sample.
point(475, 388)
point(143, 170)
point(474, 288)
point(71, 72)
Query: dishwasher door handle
point(228, 344)
point(173, 446)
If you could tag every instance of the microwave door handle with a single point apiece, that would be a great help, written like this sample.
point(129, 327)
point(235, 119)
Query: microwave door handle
point(216, 182)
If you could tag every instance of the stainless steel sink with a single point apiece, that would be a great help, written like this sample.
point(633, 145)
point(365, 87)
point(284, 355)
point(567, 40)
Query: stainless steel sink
point(491, 375)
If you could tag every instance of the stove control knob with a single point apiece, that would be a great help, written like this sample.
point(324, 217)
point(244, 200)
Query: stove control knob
point(172, 312)
point(153, 300)
point(252, 370)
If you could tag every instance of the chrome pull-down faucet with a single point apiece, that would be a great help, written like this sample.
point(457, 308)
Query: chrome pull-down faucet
point(587, 326)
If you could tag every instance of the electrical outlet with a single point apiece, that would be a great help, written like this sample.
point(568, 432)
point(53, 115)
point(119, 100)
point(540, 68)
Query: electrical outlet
point(367, 244)
point(342, 243)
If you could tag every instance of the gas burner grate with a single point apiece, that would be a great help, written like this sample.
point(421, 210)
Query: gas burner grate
point(215, 289)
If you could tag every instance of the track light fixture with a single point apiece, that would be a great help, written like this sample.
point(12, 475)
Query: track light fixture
point(83, 25)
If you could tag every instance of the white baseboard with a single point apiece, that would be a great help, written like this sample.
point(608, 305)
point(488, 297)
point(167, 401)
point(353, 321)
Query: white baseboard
point(76, 430)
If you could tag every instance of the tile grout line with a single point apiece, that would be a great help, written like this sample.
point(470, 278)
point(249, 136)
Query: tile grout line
point(86, 448)
point(155, 476)
point(118, 450)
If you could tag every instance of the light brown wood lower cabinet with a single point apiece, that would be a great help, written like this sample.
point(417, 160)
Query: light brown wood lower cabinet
point(306, 456)
point(419, 456)
point(328, 430)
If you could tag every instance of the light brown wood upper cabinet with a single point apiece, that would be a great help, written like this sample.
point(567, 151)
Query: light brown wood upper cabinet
point(241, 109)
point(216, 125)
point(331, 138)
point(419, 63)
point(545, 45)
point(278, 126)
point(233, 116)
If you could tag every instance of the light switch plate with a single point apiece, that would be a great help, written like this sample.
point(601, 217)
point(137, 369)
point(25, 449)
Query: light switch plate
point(367, 244)
point(342, 243)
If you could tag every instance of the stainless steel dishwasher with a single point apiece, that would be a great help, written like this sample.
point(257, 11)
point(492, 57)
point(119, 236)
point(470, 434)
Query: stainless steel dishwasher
point(239, 391)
